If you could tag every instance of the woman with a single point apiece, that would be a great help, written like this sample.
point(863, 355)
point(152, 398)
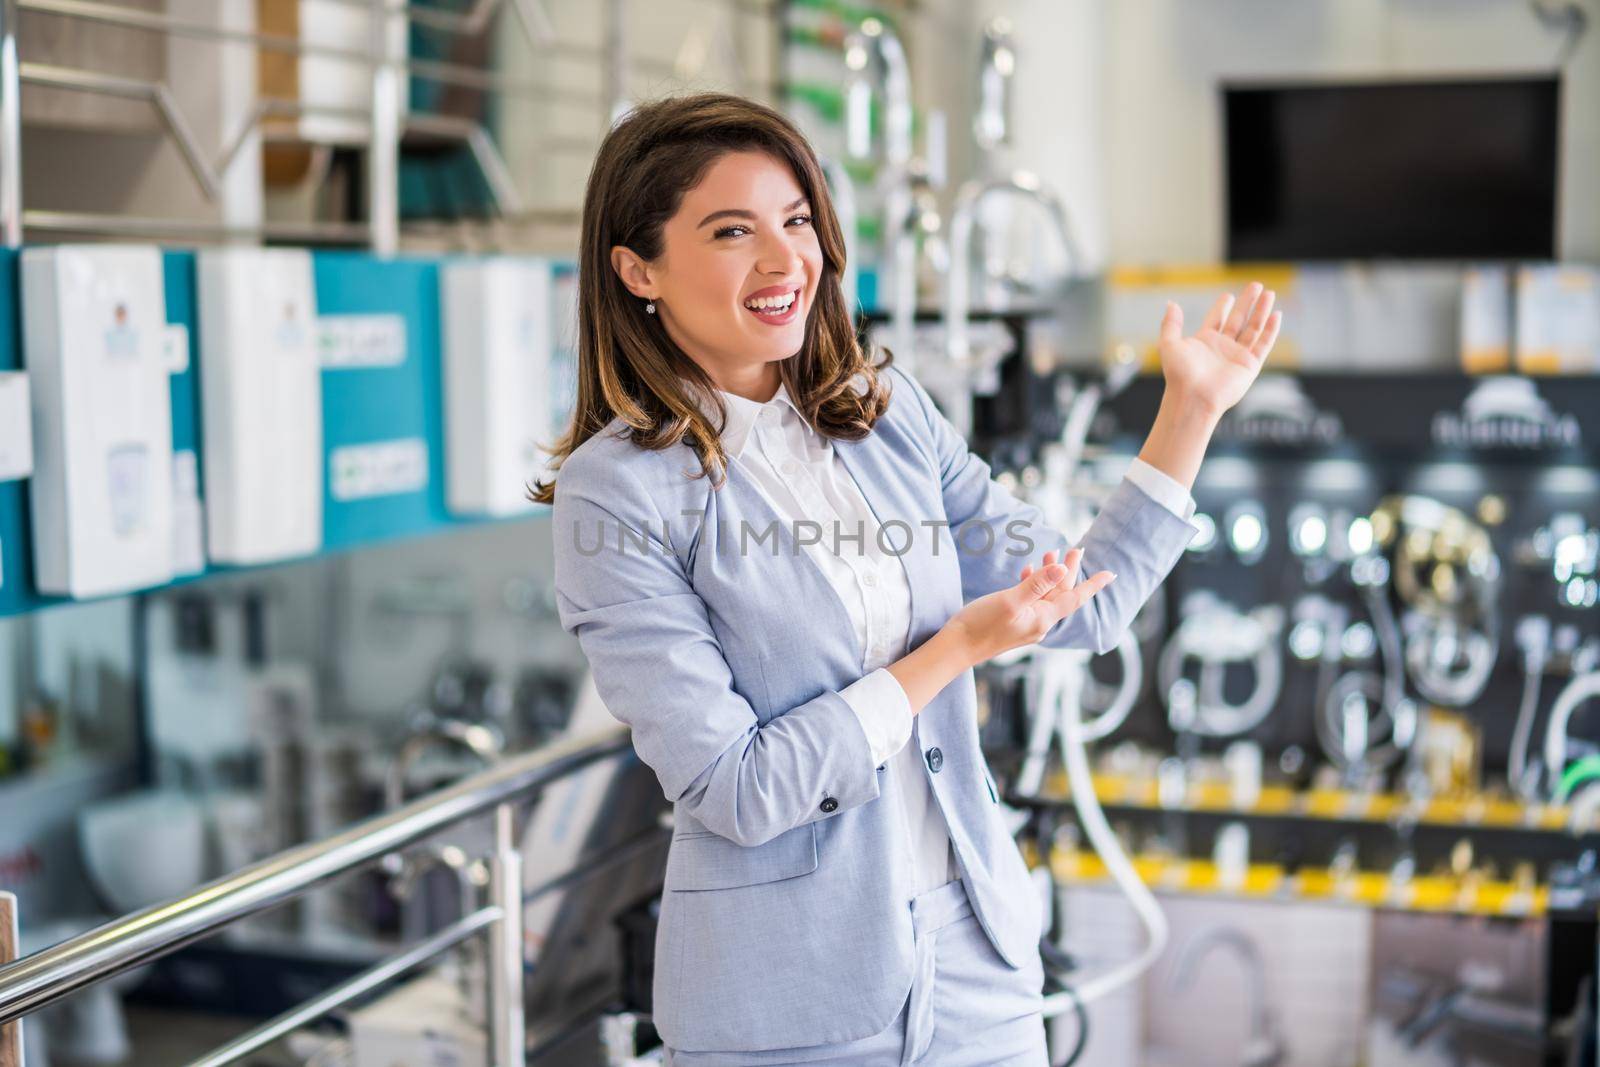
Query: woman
point(782, 564)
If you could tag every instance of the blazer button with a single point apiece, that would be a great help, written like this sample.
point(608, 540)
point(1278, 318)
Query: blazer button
point(829, 805)
point(935, 759)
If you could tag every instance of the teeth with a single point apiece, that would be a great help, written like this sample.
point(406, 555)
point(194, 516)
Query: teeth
point(770, 302)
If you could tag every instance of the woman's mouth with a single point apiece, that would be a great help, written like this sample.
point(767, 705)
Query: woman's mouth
point(777, 309)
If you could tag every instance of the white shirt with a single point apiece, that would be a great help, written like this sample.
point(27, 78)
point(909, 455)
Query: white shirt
point(797, 471)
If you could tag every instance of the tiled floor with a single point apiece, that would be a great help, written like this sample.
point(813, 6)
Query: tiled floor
point(163, 1038)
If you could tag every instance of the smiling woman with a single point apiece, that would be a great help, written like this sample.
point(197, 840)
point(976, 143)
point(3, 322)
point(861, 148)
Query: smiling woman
point(711, 255)
point(762, 257)
point(841, 886)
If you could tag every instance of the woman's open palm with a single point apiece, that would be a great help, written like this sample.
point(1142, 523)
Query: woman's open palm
point(1024, 613)
point(1219, 361)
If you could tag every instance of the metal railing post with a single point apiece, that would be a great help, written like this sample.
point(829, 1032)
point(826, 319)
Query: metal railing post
point(383, 145)
point(507, 1028)
point(10, 128)
point(10, 1033)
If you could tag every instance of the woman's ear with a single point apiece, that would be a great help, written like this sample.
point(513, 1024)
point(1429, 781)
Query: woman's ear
point(634, 272)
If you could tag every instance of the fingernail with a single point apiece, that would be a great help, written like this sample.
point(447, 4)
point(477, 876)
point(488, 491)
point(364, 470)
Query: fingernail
point(1112, 578)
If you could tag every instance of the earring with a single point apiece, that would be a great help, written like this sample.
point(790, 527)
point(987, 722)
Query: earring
point(650, 308)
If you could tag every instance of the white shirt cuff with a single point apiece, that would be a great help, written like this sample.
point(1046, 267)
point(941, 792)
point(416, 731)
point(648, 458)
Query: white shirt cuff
point(1162, 488)
point(884, 711)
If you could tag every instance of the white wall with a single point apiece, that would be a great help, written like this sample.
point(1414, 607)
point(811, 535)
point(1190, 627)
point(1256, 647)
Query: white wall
point(1166, 56)
point(1118, 108)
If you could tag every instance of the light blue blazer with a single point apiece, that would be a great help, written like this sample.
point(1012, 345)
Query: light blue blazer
point(784, 920)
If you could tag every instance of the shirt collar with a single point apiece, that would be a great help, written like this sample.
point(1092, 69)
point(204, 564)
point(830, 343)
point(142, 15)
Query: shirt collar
point(742, 415)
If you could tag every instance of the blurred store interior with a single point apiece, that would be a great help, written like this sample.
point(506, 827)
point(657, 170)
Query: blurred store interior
point(1352, 745)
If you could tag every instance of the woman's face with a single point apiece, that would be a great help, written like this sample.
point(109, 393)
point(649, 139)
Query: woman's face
point(738, 271)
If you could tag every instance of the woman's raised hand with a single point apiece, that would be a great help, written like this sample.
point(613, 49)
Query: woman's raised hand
point(1023, 614)
point(1214, 367)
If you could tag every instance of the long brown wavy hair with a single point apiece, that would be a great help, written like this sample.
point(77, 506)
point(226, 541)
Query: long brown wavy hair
point(627, 365)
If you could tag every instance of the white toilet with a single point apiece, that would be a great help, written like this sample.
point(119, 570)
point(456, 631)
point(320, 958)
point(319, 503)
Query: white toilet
point(143, 848)
point(139, 849)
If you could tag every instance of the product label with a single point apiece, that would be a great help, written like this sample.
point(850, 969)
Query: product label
point(188, 515)
point(353, 341)
point(175, 347)
point(381, 468)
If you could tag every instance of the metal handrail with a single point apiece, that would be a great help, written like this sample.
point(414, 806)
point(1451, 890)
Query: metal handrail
point(351, 989)
point(149, 228)
point(46, 977)
point(383, 121)
point(531, 14)
point(156, 94)
point(384, 124)
point(174, 26)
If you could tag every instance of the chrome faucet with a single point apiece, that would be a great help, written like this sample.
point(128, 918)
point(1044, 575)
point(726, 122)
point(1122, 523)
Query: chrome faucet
point(911, 216)
point(876, 62)
point(471, 875)
point(1473, 1011)
point(974, 195)
point(844, 206)
point(482, 741)
point(1265, 1046)
point(405, 869)
point(485, 742)
point(991, 124)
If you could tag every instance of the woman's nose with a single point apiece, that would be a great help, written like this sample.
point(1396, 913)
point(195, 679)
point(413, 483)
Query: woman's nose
point(777, 256)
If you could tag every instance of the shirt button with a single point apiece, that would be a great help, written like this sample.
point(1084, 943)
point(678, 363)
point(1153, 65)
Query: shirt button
point(829, 805)
point(935, 759)
point(870, 580)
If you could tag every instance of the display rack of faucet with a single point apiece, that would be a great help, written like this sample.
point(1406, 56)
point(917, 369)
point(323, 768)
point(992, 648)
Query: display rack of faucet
point(925, 258)
point(1387, 569)
point(1365, 541)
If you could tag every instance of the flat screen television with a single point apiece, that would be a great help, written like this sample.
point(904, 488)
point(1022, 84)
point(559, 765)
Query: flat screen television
point(1407, 170)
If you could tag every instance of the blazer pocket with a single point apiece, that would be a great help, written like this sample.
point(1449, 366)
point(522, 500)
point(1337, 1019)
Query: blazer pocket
point(708, 861)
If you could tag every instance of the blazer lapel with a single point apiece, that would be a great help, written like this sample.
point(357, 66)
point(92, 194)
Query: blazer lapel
point(758, 512)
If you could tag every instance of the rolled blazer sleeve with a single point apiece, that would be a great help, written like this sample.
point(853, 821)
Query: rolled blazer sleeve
point(1134, 536)
point(659, 668)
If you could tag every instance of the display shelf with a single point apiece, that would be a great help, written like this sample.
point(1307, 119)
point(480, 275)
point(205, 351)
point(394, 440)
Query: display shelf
point(366, 406)
point(1468, 895)
point(1441, 413)
point(1322, 805)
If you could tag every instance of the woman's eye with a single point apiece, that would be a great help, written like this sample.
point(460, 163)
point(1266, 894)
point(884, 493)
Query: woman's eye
point(740, 231)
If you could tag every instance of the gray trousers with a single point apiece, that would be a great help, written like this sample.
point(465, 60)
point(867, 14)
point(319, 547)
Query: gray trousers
point(967, 1008)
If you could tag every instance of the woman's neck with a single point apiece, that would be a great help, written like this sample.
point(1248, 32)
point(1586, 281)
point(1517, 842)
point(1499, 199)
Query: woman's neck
point(758, 382)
